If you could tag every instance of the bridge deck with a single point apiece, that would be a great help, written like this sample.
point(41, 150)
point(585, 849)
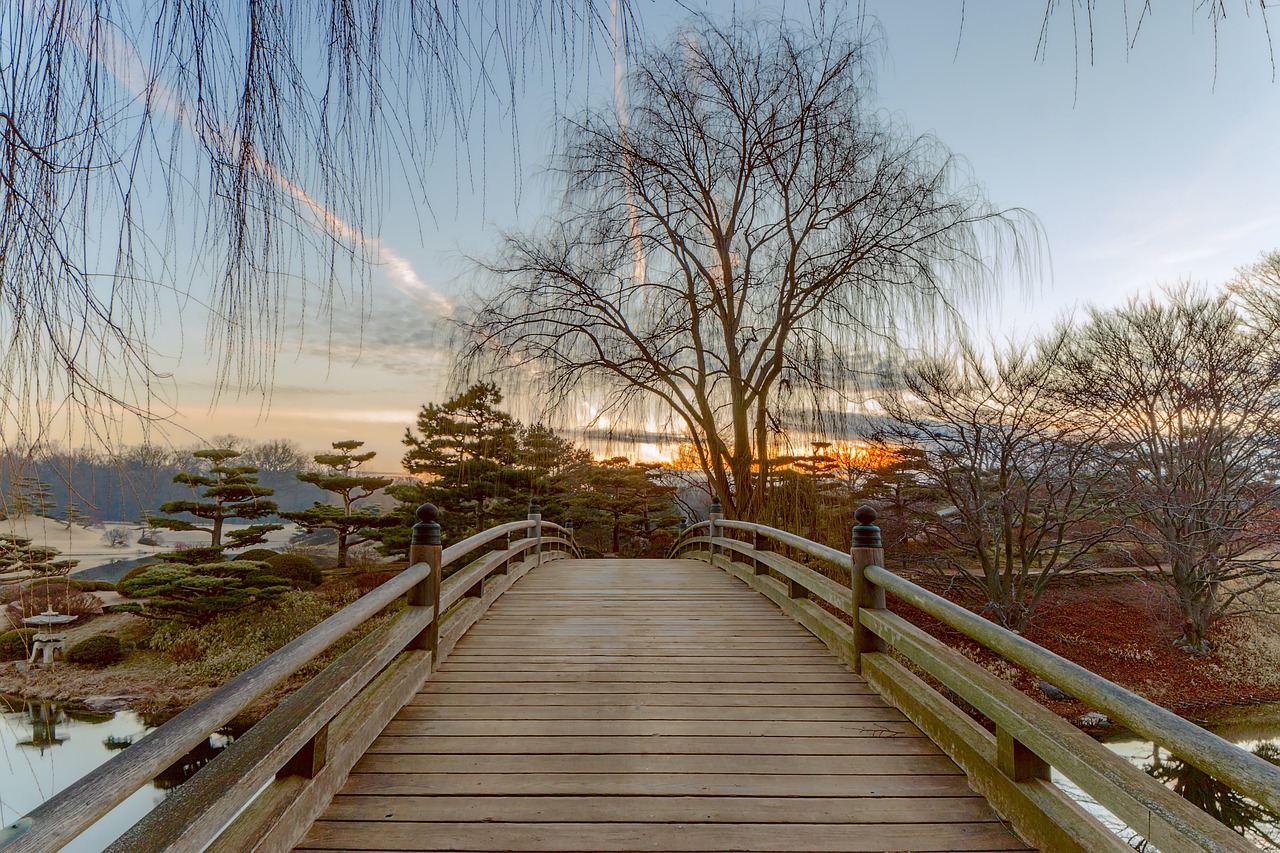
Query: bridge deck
point(650, 705)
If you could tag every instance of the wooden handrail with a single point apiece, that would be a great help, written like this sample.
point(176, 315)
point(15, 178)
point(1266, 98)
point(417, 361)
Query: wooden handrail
point(1220, 758)
point(291, 730)
point(1148, 806)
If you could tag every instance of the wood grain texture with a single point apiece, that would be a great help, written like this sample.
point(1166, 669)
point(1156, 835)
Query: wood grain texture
point(650, 705)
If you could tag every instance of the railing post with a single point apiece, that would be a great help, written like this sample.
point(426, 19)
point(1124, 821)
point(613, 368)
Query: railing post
point(866, 551)
point(760, 543)
point(1016, 760)
point(714, 515)
point(424, 547)
point(311, 759)
point(568, 533)
point(535, 518)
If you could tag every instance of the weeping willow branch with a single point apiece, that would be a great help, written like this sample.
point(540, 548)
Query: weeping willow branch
point(228, 152)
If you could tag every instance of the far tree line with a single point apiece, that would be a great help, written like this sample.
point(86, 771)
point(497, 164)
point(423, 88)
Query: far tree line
point(470, 458)
point(1145, 435)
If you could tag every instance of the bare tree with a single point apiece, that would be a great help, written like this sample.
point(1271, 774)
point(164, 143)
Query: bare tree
point(1020, 475)
point(1190, 396)
point(732, 242)
point(255, 139)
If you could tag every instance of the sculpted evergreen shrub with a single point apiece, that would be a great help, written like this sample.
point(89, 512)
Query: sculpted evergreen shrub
point(196, 595)
point(133, 573)
point(299, 570)
point(102, 650)
point(16, 645)
point(257, 555)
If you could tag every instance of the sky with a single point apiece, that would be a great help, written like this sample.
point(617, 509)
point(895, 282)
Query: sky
point(1146, 164)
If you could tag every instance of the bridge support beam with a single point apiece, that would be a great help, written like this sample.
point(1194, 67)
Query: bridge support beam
point(866, 551)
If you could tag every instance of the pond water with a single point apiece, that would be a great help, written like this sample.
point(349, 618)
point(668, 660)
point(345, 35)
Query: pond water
point(44, 747)
point(1258, 733)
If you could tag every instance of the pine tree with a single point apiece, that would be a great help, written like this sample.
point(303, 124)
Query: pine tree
point(17, 554)
point(230, 491)
point(470, 451)
point(29, 496)
point(351, 525)
point(625, 498)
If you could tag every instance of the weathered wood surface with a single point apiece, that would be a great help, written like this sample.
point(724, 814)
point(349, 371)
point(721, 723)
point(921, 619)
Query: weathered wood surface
point(650, 705)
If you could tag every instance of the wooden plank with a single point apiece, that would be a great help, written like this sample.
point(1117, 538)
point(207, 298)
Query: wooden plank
point(655, 699)
point(871, 784)
point(894, 763)
point(873, 710)
point(696, 675)
point(648, 809)
point(355, 835)
point(887, 718)
point(661, 705)
point(629, 688)
point(760, 666)
point(880, 738)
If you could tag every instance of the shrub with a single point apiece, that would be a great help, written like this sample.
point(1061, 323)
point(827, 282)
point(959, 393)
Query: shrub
point(186, 649)
point(116, 537)
point(133, 573)
point(257, 555)
point(16, 645)
point(228, 645)
point(298, 570)
point(202, 593)
point(38, 598)
point(368, 581)
point(102, 650)
point(91, 586)
point(365, 558)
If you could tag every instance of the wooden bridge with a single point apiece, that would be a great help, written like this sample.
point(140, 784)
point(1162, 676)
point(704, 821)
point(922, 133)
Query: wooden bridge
point(751, 693)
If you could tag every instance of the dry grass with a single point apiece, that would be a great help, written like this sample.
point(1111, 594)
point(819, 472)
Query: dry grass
point(1248, 647)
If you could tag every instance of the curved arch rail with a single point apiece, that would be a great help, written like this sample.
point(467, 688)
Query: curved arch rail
point(274, 779)
point(842, 602)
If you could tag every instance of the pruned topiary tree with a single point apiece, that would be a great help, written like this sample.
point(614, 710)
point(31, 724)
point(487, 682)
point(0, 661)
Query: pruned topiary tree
point(230, 491)
point(342, 479)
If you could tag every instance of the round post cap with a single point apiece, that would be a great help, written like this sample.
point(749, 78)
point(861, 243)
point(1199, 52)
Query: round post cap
point(427, 530)
point(534, 506)
point(865, 533)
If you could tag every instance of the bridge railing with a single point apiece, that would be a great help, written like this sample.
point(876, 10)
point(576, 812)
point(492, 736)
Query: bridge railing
point(265, 788)
point(840, 598)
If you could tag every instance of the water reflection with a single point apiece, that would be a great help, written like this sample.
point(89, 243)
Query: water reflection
point(1246, 817)
point(31, 770)
point(43, 718)
point(1258, 733)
